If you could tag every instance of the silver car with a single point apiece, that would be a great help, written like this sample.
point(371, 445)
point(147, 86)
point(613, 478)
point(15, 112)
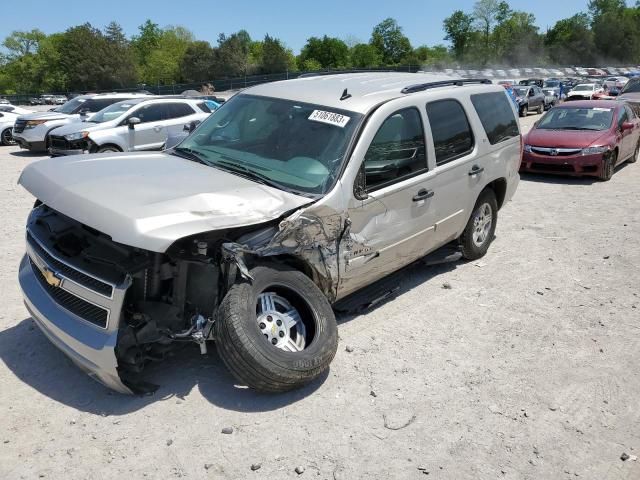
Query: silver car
point(132, 125)
point(286, 201)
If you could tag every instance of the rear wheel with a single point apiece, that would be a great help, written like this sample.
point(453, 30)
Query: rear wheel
point(478, 234)
point(608, 166)
point(523, 110)
point(6, 137)
point(541, 109)
point(277, 332)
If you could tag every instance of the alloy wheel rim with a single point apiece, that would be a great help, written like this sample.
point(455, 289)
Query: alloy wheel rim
point(482, 221)
point(7, 138)
point(280, 322)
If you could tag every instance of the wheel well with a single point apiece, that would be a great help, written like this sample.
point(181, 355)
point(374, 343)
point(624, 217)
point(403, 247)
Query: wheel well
point(304, 267)
point(112, 145)
point(499, 187)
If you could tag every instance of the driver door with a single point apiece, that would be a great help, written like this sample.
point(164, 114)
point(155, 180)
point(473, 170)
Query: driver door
point(151, 132)
point(392, 221)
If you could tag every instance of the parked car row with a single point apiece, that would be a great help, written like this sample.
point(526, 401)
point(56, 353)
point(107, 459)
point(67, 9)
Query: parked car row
point(105, 123)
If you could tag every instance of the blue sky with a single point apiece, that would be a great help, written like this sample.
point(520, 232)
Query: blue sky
point(293, 21)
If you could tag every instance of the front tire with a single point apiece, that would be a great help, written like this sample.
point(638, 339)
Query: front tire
point(109, 149)
point(636, 153)
point(524, 110)
point(6, 137)
point(480, 229)
point(608, 166)
point(277, 332)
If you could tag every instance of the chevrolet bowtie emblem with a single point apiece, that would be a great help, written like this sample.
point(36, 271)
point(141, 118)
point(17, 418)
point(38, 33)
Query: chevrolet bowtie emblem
point(50, 276)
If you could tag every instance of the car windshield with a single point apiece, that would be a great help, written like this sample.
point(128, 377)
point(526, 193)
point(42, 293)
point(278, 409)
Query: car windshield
point(290, 145)
point(552, 83)
point(582, 88)
point(594, 118)
point(632, 86)
point(549, 91)
point(521, 92)
point(70, 106)
point(111, 112)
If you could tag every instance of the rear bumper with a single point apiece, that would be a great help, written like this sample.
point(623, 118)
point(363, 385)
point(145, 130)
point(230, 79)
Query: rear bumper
point(92, 349)
point(574, 165)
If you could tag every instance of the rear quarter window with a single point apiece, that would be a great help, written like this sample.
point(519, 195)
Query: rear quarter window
point(452, 135)
point(496, 115)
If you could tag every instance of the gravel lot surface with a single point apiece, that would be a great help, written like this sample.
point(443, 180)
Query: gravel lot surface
point(523, 365)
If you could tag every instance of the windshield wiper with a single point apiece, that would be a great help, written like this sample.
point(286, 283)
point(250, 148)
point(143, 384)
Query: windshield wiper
point(249, 173)
point(578, 128)
point(190, 154)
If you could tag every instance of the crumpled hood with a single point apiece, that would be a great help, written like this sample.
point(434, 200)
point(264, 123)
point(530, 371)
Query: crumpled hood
point(564, 138)
point(150, 200)
point(45, 116)
point(79, 127)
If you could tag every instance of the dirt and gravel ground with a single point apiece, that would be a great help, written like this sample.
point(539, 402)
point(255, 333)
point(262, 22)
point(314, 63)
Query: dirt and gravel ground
point(523, 365)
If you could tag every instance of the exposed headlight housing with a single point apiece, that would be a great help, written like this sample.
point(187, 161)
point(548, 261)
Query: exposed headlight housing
point(77, 136)
point(527, 148)
point(595, 150)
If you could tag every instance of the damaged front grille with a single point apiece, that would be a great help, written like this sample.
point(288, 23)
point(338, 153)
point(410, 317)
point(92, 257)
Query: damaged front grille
point(76, 305)
point(72, 274)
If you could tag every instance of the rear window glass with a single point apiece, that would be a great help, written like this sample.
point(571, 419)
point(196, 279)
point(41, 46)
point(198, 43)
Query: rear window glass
point(452, 136)
point(496, 115)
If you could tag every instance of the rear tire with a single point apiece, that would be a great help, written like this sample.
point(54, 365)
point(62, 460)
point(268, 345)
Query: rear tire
point(524, 110)
point(6, 137)
point(480, 229)
point(257, 340)
point(609, 165)
point(540, 109)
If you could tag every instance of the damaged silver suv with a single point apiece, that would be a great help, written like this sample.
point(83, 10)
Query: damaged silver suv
point(290, 197)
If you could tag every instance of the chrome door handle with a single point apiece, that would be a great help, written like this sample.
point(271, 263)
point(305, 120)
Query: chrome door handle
point(475, 170)
point(423, 194)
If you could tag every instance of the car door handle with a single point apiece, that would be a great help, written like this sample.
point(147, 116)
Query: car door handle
point(157, 128)
point(423, 194)
point(475, 170)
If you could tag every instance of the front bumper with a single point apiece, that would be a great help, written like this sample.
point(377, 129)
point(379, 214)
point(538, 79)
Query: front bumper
point(36, 146)
point(89, 347)
point(573, 165)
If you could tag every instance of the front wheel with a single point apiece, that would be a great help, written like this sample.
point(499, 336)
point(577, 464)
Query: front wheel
point(6, 137)
point(523, 110)
point(277, 332)
point(608, 166)
point(478, 234)
point(109, 148)
point(636, 153)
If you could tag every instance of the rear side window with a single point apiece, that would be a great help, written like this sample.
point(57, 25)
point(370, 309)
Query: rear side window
point(397, 151)
point(177, 110)
point(154, 112)
point(452, 136)
point(496, 115)
point(204, 107)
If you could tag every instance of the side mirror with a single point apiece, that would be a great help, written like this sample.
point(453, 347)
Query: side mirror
point(191, 126)
point(360, 185)
point(627, 126)
point(531, 93)
point(84, 112)
point(132, 122)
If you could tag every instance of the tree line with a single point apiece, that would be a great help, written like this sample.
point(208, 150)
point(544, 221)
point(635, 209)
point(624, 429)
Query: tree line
point(84, 57)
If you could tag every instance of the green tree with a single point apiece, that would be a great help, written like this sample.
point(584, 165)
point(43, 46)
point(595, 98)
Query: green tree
point(233, 54)
point(199, 62)
point(21, 43)
point(516, 40)
point(147, 40)
point(570, 41)
point(275, 58)
point(485, 13)
point(163, 63)
point(387, 38)
point(329, 52)
point(458, 28)
point(119, 61)
point(364, 55)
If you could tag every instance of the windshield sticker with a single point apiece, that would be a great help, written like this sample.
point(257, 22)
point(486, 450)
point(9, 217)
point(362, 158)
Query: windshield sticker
point(600, 109)
point(330, 118)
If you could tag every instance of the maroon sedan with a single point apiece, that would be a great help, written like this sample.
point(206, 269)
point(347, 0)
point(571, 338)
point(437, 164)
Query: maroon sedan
point(583, 138)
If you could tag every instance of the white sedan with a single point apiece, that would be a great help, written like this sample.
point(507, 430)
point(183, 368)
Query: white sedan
point(13, 109)
point(584, 91)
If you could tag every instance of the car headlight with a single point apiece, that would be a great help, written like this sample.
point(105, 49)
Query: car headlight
point(594, 150)
point(34, 123)
point(527, 148)
point(76, 136)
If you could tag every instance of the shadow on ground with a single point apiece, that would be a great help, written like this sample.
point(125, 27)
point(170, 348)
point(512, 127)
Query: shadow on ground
point(27, 153)
point(35, 361)
point(558, 179)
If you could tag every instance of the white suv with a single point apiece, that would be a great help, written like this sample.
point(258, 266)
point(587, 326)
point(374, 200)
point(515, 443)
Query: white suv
point(287, 200)
point(30, 131)
point(131, 125)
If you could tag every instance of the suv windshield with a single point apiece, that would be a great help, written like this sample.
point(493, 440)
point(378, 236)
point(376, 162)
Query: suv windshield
point(521, 92)
point(70, 106)
point(112, 112)
point(551, 84)
point(290, 145)
point(577, 119)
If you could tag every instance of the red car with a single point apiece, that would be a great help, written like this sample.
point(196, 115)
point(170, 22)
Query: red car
point(583, 138)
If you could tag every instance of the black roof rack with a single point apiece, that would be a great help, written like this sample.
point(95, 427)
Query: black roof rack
point(420, 87)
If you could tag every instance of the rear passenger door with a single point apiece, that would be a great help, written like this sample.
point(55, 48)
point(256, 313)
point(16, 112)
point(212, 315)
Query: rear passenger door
point(453, 143)
point(178, 115)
